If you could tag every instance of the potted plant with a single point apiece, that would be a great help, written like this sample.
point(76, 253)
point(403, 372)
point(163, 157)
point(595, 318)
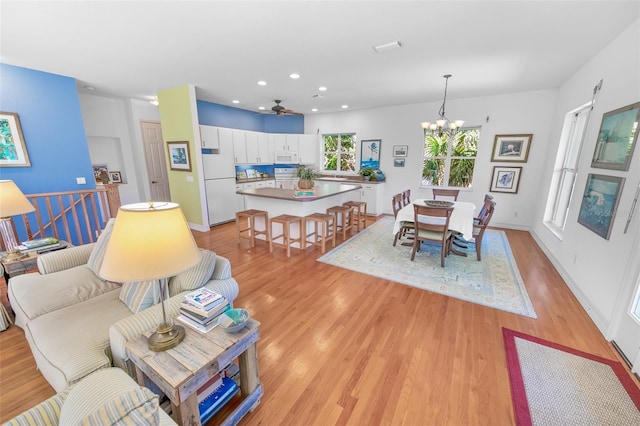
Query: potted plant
point(306, 175)
point(367, 173)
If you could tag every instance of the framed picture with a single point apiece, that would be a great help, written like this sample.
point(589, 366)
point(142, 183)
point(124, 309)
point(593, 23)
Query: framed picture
point(512, 148)
point(400, 150)
point(617, 138)
point(370, 153)
point(13, 150)
point(398, 162)
point(100, 173)
point(599, 203)
point(505, 179)
point(115, 177)
point(179, 158)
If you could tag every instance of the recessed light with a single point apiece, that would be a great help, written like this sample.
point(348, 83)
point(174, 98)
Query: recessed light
point(262, 83)
point(294, 76)
point(261, 108)
point(314, 109)
point(89, 87)
point(235, 101)
point(322, 89)
point(387, 46)
point(345, 106)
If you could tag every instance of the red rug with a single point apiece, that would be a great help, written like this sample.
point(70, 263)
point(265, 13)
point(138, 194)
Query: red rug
point(553, 384)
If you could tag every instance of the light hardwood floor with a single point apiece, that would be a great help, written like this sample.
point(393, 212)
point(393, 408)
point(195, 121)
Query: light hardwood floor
point(338, 347)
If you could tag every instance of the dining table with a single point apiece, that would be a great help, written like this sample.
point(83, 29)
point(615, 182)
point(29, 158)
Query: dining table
point(461, 219)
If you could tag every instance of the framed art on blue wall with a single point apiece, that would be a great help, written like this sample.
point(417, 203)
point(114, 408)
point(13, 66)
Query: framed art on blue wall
point(599, 203)
point(370, 153)
point(13, 150)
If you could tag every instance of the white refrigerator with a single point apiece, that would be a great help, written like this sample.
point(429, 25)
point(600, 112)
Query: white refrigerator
point(220, 184)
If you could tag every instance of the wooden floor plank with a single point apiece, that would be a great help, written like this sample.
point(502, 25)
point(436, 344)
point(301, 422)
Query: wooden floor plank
point(339, 347)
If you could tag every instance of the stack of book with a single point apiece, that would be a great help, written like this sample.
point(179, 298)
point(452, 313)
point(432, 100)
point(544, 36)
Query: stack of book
point(200, 309)
point(303, 193)
point(40, 245)
point(216, 392)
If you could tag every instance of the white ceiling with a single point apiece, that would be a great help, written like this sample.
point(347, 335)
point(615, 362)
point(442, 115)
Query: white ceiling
point(135, 49)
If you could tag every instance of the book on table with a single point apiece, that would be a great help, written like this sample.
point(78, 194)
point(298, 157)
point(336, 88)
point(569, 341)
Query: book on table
point(203, 297)
point(202, 328)
point(31, 244)
point(204, 319)
point(205, 312)
point(211, 404)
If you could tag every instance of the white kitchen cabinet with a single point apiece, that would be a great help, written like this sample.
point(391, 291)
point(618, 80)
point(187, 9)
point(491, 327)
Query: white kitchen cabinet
point(221, 194)
point(283, 142)
point(258, 151)
point(308, 149)
point(239, 146)
point(209, 137)
point(292, 142)
point(372, 194)
point(239, 198)
point(271, 183)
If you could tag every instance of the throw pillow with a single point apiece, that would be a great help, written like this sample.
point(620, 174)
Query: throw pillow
point(134, 407)
point(140, 295)
point(97, 254)
point(196, 276)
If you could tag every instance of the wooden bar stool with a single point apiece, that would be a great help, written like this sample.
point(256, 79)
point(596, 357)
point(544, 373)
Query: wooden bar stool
point(248, 218)
point(343, 219)
point(286, 220)
point(327, 232)
point(359, 212)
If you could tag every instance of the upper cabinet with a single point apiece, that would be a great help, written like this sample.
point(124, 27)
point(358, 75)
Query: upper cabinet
point(239, 146)
point(258, 150)
point(307, 149)
point(283, 142)
point(209, 137)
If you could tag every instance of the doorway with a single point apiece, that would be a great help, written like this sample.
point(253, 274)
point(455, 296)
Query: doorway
point(155, 160)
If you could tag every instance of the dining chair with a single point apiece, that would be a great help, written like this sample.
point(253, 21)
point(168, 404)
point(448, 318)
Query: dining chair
point(481, 226)
point(487, 199)
point(428, 229)
point(448, 194)
point(458, 241)
point(406, 227)
point(406, 197)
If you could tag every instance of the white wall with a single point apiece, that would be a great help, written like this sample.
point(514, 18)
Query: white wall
point(529, 112)
point(117, 121)
point(594, 267)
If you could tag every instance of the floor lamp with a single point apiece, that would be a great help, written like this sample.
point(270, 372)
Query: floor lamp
point(12, 203)
point(151, 241)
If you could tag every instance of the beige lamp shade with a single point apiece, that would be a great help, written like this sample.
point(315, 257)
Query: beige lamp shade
point(12, 200)
point(149, 241)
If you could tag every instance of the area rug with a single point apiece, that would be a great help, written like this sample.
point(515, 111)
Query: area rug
point(552, 384)
point(495, 281)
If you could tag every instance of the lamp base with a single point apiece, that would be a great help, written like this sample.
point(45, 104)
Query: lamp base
point(167, 336)
point(14, 255)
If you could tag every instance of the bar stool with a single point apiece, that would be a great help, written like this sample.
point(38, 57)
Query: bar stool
point(359, 212)
point(251, 231)
point(324, 221)
point(286, 220)
point(343, 221)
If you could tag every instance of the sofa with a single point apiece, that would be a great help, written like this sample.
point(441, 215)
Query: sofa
point(107, 396)
point(77, 323)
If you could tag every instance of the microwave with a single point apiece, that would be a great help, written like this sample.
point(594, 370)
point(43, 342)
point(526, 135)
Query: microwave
point(285, 157)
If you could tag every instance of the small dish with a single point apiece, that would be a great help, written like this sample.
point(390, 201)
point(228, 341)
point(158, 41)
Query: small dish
point(439, 203)
point(233, 320)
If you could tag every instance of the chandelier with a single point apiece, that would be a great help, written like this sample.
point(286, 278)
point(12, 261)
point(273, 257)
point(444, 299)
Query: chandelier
point(443, 125)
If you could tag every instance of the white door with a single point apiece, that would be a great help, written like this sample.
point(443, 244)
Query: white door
point(155, 160)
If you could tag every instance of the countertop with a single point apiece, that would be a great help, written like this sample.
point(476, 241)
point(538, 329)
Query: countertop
point(320, 190)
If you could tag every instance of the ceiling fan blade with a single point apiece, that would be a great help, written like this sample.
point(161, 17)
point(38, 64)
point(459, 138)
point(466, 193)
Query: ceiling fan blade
point(288, 111)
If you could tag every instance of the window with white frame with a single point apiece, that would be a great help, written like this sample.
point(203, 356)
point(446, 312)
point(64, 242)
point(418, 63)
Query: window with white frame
point(449, 161)
point(339, 152)
point(565, 169)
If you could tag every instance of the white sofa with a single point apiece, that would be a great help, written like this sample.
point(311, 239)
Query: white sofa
point(77, 323)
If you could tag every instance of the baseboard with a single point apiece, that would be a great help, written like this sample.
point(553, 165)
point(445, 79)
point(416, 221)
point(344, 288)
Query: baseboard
point(596, 316)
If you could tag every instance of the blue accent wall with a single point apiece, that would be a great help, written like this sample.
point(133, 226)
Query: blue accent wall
point(49, 112)
point(211, 114)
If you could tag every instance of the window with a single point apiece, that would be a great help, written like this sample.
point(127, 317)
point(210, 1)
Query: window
point(565, 170)
point(449, 162)
point(339, 152)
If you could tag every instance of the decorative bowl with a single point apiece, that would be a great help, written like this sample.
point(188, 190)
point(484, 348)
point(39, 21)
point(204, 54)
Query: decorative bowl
point(233, 320)
point(439, 203)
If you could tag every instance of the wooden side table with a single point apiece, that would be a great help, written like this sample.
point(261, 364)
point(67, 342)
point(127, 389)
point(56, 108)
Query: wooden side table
point(24, 265)
point(181, 371)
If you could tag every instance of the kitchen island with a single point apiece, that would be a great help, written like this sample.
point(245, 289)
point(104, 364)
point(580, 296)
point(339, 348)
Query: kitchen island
point(277, 201)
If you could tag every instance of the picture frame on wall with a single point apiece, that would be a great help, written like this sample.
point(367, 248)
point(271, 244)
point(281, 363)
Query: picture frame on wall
point(617, 138)
point(400, 150)
point(179, 156)
point(599, 203)
point(13, 148)
point(370, 153)
point(511, 148)
point(505, 179)
point(115, 177)
point(100, 173)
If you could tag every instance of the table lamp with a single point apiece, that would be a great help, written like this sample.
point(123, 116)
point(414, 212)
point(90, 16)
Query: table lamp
point(151, 241)
point(12, 202)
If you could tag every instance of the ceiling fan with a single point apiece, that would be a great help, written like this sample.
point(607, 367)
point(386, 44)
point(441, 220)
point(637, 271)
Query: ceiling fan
point(279, 110)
